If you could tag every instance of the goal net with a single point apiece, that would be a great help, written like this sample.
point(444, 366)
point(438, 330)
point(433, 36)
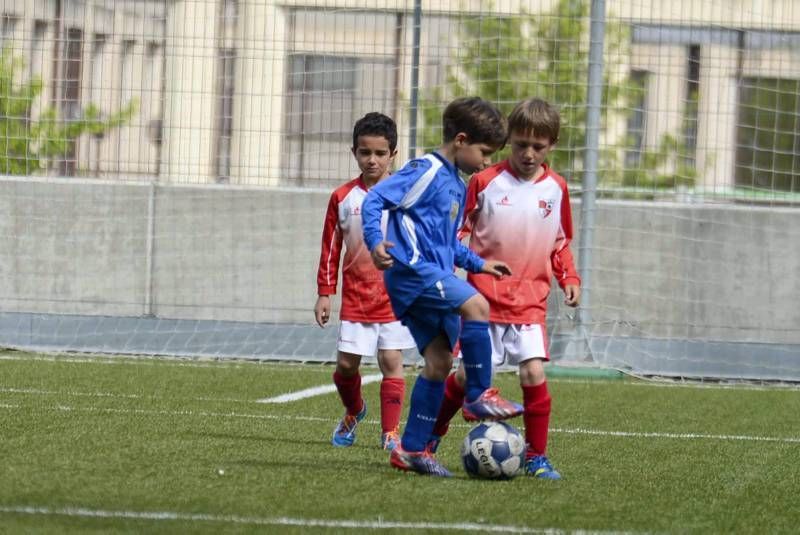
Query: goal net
point(166, 166)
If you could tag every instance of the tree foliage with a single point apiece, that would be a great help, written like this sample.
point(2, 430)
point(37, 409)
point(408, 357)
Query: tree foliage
point(506, 59)
point(28, 144)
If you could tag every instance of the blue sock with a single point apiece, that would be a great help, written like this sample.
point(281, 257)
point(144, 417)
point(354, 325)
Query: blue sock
point(426, 398)
point(476, 354)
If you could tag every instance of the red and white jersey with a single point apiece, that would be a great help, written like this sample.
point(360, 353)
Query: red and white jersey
point(528, 225)
point(364, 297)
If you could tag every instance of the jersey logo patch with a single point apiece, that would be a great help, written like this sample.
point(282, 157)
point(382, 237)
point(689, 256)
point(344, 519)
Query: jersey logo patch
point(356, 211)
point(453, 210)
point(545, 207)
point(504, 202)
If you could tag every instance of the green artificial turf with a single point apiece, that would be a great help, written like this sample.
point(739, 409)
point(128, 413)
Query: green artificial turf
point(125, 445)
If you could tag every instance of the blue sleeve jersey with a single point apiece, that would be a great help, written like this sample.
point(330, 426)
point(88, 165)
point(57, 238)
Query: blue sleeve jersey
point(425, 200)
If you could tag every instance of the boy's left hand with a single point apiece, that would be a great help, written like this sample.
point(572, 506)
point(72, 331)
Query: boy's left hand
point(572, 295)
point(496, 268)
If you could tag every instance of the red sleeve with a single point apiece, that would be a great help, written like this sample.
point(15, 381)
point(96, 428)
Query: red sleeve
point(470, 208)
point(561, 259)
point(328, 272)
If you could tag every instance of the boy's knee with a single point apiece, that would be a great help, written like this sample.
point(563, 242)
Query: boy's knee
point(531, 372)
point(347, 365)
point(476, 308)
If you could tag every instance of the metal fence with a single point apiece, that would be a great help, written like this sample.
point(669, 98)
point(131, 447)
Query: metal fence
point(680, 141)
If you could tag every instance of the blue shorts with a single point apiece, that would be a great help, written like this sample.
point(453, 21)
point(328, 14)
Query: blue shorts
point(435, 311)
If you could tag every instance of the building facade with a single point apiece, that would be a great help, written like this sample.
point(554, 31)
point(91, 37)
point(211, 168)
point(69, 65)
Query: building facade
point(265, 93)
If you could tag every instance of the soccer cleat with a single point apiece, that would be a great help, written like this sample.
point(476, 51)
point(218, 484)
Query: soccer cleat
point(539, 466)
point(490, 406)
point(421, 462)
point(433, 444)
point(390, 439)
point(345, 433)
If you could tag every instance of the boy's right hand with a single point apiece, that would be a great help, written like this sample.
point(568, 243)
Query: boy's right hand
point(322, 310)
point(380, 257)
point(496, 268)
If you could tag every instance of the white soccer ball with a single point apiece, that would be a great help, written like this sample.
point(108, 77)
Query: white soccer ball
point(493, 450)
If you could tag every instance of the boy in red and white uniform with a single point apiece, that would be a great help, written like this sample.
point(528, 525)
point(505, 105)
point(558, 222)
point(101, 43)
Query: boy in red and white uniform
point(368, 324)
point(518, 211)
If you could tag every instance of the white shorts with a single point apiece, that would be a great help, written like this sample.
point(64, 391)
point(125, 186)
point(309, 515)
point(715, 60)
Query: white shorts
point(365, 339)
point(514, 344)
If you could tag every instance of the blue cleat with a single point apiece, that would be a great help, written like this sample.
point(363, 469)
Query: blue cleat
point(540, 467)
point(490, 406)
point(345, 433)
point(421, 462)
point(390, 439)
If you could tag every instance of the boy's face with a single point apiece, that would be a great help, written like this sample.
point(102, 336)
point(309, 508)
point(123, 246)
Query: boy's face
point(373, 156)
point(528, 152)
point(472, 157)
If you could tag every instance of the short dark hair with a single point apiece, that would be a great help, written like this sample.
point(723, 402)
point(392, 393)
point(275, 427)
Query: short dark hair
point(376, 124)
point(479, 119)
point(535, 116)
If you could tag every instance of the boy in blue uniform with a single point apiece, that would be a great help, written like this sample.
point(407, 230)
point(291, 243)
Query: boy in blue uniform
point(425, 201)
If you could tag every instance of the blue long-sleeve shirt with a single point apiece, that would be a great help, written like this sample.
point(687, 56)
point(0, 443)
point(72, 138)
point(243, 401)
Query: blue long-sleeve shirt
point(425, 200)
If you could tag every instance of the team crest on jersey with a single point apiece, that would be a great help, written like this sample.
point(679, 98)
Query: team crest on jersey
point(356, 211)
point(453, 210)
point(546, 206)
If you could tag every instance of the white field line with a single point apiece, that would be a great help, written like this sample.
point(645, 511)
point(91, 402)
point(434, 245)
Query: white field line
point(318, 367)
point(378, 523)
point(316, 391)
point(112, 395)
point(575, 431)
point(181, 362)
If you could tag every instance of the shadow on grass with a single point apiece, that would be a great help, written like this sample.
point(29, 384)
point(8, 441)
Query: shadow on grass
point(322, 465)
point(323, 441)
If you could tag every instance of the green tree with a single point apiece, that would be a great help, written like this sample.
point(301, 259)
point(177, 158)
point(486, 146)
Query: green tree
point(506, 59)
point(27, 144)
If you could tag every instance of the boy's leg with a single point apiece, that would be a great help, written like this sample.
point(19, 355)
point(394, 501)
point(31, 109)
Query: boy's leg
point(532, 340)
point(348, 383)
point(355, 339)
point(537, 402)
point(427, 394)
point(393, 391)
point(476, 346)
point(426, 398)
point(347, 379)
point(393, 338)
point(481, 401)
point(452, 402)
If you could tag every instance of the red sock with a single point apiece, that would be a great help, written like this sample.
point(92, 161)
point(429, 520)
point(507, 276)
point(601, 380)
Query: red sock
point(536, 400)
point(453, 399)
point(350, 391)
point(393, 390)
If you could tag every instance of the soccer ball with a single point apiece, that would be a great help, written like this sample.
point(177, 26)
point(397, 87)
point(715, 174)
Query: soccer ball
point(493, 450)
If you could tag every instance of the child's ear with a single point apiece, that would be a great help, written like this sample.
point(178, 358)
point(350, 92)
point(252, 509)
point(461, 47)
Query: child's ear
point(461, 139)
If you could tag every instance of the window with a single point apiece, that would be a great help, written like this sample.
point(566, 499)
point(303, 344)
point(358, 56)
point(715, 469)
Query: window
point(7, 26)
point(225, 87)
point(320, 109)
point(37, 53)
point(71, 92)
point(637, 120)
point(98, 54)
point(692, 109)
point(768, 134)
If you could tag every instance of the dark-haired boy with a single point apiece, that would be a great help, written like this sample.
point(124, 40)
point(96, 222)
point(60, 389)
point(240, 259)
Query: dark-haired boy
point(367, 322)
point(425, 200)
point(518, 211)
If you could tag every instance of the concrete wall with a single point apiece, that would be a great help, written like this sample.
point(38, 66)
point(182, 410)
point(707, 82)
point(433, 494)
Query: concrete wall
point(696, 272)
